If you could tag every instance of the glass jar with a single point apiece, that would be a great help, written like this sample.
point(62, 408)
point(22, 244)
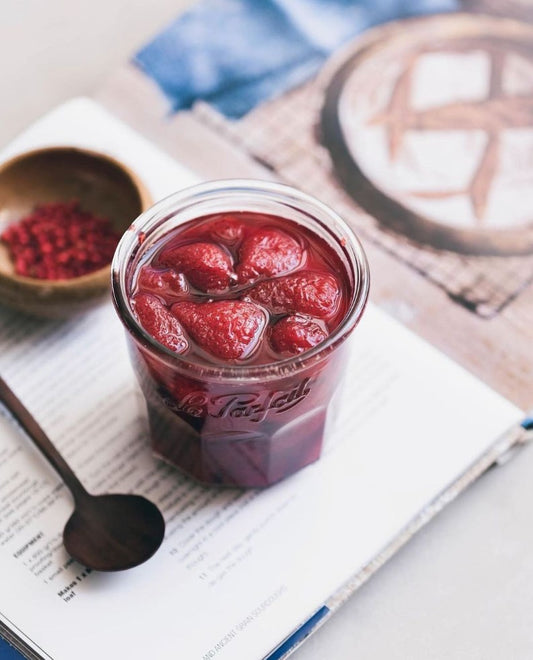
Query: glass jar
point(238, 425)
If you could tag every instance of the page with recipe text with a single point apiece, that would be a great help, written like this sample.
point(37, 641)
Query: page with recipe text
point(239, 569)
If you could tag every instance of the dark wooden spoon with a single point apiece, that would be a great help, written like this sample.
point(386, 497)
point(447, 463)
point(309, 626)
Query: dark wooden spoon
point(105, 532)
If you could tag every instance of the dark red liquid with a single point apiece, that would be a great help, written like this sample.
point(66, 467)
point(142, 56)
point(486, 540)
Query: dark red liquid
point(239, 289)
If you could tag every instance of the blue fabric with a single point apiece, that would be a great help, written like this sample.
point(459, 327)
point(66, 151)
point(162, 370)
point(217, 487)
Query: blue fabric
point(7, 652)
point(236, 53)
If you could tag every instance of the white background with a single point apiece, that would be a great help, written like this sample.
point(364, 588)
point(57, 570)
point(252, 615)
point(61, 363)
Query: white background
point(463, 588)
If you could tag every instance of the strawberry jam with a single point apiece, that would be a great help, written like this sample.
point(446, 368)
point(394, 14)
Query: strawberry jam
point(243, 288)
point(238, 321)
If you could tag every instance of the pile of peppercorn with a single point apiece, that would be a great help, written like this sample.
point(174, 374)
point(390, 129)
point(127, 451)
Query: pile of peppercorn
point(59, 241)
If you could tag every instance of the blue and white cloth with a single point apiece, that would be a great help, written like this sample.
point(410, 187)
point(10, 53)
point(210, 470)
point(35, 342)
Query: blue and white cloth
point(234, 54)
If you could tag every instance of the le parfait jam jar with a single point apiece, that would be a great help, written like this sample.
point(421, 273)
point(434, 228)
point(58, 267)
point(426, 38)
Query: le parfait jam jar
point(238, 297)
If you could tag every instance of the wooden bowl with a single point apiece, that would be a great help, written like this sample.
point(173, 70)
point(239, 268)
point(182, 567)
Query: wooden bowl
point(100, 184)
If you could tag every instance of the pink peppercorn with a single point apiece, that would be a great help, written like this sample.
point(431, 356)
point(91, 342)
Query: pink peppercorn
point(60, 241)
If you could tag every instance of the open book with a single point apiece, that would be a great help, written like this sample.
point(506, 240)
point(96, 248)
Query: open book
point(429, 161)
point(241, 574)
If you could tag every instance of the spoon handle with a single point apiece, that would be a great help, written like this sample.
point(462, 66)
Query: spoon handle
point(39, 437)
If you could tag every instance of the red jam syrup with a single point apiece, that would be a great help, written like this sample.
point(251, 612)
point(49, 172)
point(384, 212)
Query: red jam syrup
point(229, 290)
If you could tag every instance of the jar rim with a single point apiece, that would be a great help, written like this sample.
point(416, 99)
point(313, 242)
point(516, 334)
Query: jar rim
point(250, 187)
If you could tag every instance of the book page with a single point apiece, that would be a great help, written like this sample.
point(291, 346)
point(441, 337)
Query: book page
point(239, 569)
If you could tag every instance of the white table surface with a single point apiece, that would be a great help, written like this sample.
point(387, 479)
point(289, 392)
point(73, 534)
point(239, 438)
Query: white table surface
point(463, 588)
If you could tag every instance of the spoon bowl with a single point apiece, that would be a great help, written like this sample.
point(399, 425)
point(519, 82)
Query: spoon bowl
point(113, 532)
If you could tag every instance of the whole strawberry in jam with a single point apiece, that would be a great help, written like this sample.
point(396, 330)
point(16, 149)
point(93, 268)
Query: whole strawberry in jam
point(207, 266)
point(296, 334)
point(167, 282)
point(315, 294)
point(159, 322)
point(228, 329)
point(267, 252)
point(240, 287)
